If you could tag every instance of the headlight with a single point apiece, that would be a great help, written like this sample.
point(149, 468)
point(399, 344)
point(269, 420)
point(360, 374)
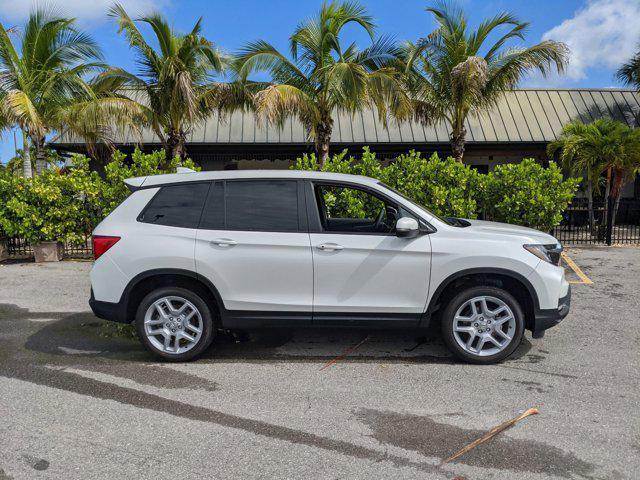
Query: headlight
point(548, 253)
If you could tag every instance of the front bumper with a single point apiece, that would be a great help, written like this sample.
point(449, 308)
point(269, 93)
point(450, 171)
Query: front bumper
point(545, 319)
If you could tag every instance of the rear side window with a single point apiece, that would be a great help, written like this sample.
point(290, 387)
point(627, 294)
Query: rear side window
point(260, 205)
point(176, 205)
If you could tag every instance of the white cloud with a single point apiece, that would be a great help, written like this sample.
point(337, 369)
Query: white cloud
point(86, 11)
point(603, 34)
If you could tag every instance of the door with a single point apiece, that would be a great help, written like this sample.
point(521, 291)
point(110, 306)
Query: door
point(253, 245)
point(361, 268)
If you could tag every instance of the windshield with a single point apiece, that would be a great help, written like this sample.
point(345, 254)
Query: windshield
point(454, 222)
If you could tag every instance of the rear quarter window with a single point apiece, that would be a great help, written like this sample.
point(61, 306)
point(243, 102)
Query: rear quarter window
point(176, 205)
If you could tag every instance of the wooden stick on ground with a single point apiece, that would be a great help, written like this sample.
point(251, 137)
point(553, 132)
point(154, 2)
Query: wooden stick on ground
point(345, 353)
point(490, 434)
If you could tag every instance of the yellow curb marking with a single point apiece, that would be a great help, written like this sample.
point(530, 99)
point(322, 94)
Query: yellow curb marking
point(569, 261)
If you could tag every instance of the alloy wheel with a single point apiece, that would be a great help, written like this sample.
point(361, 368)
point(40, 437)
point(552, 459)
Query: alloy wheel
point(484, 326)
point(173, 325)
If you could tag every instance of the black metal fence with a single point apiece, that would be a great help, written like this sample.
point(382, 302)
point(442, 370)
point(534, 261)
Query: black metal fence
point(18, 248)
point(576, 228)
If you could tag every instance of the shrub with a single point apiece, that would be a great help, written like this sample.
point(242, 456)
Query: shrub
point(65, 204)
point(445, 187)
point(57, 205)
point(528, 194)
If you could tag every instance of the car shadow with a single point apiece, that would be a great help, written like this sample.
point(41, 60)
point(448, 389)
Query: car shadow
point(83, 336)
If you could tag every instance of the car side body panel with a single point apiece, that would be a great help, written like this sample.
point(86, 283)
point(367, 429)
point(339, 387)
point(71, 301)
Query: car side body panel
point(258, 270)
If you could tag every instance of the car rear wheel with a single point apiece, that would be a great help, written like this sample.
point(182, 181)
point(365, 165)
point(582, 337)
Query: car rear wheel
point(483, 325)
point(174, 324)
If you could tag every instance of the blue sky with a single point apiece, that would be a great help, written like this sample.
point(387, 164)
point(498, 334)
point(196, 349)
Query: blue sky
point(600, 33)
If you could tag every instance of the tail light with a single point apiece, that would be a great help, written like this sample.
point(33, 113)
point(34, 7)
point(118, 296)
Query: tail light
point(102, 243)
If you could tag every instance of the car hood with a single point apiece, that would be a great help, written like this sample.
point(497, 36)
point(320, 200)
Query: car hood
point(497, 228)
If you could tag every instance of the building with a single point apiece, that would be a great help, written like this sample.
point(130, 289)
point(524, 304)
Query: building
point(521, 126)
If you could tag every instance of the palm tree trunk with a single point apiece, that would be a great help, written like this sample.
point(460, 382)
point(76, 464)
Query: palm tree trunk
point(176, 140)
point(607, 192)
point(323, 139)
point(27, 171)
point(457, 139)
point(590, 206)
point(616, 192)
point(41, 162)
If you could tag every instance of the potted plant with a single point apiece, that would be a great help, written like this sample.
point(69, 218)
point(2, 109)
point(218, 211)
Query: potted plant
point(46, 211)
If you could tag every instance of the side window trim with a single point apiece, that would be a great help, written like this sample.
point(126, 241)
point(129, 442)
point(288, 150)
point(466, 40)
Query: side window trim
point(210, 192)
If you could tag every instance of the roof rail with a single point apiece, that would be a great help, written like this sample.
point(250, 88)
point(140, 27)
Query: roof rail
point(184, 170)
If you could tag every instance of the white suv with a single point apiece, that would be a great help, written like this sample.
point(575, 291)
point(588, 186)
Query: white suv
point(188, 254)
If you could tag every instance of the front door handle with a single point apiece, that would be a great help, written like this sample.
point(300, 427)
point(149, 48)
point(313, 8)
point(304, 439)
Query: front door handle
point(328, 247)
point(223, 242)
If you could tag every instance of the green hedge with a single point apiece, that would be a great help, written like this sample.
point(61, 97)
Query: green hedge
point(525, 193)
point(66, 203)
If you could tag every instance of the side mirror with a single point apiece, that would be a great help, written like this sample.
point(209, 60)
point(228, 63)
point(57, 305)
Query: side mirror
point(407, 227)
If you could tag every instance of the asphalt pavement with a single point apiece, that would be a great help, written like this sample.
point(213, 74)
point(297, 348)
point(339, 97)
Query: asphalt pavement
point(79, 399)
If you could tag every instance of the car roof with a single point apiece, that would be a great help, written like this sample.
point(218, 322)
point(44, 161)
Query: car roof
point(190, 176)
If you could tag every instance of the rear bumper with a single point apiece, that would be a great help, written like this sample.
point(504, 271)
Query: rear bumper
point(108, 310)
point(546, 319)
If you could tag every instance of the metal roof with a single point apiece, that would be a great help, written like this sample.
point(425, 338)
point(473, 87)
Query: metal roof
point(525, 115)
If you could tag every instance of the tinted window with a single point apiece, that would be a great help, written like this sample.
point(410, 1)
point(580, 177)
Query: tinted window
point(262, 205)
point(213, 215)
point(177, 205)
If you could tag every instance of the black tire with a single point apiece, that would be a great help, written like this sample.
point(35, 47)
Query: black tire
point(208, 324)
point(447, 324)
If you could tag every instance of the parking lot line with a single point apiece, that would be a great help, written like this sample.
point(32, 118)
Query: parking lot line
point(344, 354)
point(584, 279)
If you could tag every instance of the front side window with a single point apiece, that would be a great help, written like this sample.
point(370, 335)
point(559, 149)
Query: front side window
point(176, 205)
point(351, 210)
point(253, 205)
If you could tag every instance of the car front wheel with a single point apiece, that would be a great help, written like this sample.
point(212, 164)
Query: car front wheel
point(483, 325)
point(174, 324)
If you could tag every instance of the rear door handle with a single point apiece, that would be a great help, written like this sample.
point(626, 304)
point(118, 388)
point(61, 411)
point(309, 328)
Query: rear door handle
point(328, 247)
point(223, 242)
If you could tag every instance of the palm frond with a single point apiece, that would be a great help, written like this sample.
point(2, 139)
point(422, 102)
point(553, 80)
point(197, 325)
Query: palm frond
point(18, 107)
point(511, 66)
point(148, 57)
point(277, 102)
point(629, 72)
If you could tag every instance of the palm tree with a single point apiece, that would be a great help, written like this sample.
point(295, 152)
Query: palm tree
point(43, 86)
point(603, 146)
point(323, 75)
point(629, 73)
point(583, 150)
point(454, 71)
point(173, 86)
